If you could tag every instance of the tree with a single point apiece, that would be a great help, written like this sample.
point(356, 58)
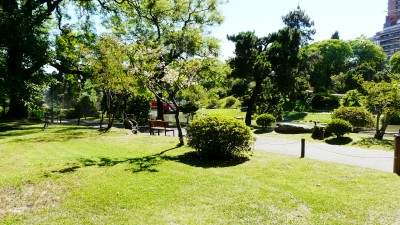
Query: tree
point(25, 50)
point(335, 35)
point(366, 52)
point(394, 63)
point(180, 26)
point(272, 57)
point(111, 72)
point(177, 75)
point(249, 64)
point(381, 99)
point(335, 56)
point(300, 20)
point(27, 47)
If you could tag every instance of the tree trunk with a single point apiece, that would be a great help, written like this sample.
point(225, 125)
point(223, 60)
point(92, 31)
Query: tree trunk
point(4, 107)
point(110, 122)
point(178, 125)
point(102, 119)
point(17, 108)
point(160, 107)
point(381, 132)
point(252, 102)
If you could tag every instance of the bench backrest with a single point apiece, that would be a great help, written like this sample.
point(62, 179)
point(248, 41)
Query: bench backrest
point(158, 123)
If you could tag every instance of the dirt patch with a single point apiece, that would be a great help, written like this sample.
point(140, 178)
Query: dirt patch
point(28, 198)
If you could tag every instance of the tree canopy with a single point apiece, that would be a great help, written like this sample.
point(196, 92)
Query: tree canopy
point(257, 59)
point(300, 20)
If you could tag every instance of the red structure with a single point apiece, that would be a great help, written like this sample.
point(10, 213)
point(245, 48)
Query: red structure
point(166, 107)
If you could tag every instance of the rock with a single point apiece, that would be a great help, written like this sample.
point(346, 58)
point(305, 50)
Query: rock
point(292, 128)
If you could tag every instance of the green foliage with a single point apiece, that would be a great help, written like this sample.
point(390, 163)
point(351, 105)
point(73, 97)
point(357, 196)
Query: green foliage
point(339, 127)
point(324, 100)
point(352, 98)
point(265, 120)
point(366, 52)
point(300, 20)
point(189, 107)
point(335, 55)
point(394, 63)
point(86, 106)
point(139, 106)
point(37, 113)
point(275, 57)
point(219, 137)
point(357, 116)
point(230, 102)
point(395, 119)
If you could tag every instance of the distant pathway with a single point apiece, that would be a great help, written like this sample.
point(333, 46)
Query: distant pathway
point(375, 159)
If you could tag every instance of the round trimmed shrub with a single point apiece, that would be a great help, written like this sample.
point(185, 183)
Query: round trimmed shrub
point(357, 116)
point(265, 120)
point(219, 137)
point(339, 127)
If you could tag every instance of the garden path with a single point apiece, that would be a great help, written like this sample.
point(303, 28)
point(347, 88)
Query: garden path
point(374, 159)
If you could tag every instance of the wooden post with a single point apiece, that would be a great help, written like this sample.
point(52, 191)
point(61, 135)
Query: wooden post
point(303, 149)
point(396, 164)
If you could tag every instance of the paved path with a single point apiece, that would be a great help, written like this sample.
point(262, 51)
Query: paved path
point(375, 159)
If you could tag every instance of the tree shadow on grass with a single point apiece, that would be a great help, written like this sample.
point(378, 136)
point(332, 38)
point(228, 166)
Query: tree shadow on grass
point(339, 141)
point(291, 116)
point(196, 160)
point(370, 141)
point(18, 129)
point(150, 162)
point(138, 164)
point(260, 130)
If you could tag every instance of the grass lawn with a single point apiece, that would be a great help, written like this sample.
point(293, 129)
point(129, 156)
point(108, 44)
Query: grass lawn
point(225, 112)
point(75, 175)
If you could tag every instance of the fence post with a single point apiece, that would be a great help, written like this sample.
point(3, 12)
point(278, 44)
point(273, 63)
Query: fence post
point(303, 145)
point(396, 164)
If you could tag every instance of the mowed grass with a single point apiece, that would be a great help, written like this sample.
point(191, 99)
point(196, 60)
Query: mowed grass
point(76, 175)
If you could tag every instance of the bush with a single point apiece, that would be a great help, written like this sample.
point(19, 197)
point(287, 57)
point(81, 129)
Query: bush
point(265, 120)
point(339, 127)
point(219, 137)
point(357, 116)
point(395, 119)
point(140, 107)
point(86, 106)
point(324, 101)
point(37, 113)
point(352, 98)
point(231, 102)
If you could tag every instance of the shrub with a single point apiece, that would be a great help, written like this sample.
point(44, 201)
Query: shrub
point(219, 137)
point(231, 102)
point(265, 120)
point(339, 127)
point(324, 101)
point(395, 119)
point(37, 113)
point(357, 116)
point(351, 98)
point(140, 107)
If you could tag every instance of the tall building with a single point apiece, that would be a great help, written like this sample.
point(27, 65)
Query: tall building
point(389, 37)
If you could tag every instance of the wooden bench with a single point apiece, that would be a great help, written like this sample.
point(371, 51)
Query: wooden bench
point(159, 125)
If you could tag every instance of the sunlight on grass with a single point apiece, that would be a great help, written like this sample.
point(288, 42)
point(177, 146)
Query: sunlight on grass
point(76, 175)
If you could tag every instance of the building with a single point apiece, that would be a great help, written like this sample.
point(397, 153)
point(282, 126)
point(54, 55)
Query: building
point(389, 37)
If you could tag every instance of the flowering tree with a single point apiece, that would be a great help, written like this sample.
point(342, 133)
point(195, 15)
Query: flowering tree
point(178, 75)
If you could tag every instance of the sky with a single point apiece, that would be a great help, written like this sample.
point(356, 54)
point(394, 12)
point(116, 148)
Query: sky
point(351, 18)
